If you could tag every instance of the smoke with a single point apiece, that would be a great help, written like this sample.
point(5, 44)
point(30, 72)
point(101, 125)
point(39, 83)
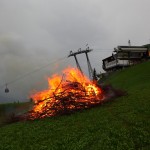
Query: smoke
point(34, 33)
point(23, 69)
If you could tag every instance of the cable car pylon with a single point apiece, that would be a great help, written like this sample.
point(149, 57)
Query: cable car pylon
point(86, 51)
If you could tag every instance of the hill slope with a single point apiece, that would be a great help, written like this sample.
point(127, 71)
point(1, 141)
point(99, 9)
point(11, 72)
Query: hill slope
point(135, 77)
point(121, 124)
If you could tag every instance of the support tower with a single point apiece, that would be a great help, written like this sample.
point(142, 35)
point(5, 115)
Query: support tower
point(86, 51)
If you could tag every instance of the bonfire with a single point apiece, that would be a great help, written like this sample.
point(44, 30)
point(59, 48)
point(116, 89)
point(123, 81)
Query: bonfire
point(66, 93)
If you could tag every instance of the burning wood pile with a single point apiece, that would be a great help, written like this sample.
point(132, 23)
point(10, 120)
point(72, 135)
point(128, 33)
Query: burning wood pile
point(66, 93)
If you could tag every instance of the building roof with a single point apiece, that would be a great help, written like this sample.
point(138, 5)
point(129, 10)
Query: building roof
point(147, 45)
point(131, 48)
point(112, 57)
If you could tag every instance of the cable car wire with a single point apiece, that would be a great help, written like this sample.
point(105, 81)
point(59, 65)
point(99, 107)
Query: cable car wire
point(29, 73)
point(38, 69)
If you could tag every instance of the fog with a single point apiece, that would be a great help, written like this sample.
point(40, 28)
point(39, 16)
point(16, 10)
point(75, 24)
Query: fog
point(36, 34)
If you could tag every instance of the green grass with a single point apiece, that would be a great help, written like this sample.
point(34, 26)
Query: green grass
point(120, 124)
point(135, 77)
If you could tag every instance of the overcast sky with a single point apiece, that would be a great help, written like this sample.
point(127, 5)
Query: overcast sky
point(34, 33)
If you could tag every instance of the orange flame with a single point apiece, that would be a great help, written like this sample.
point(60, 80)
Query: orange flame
point(67, 92)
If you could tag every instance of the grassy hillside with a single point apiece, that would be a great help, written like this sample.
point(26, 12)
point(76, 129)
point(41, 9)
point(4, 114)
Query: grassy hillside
point(135, 77)
point(121, 124)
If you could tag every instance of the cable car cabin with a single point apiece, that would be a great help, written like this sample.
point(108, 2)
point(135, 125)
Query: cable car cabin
point(6, 90)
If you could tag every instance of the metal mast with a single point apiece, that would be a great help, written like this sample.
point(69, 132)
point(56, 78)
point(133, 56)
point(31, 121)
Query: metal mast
point(86, 51)
point(88, 63)
point(77, 63)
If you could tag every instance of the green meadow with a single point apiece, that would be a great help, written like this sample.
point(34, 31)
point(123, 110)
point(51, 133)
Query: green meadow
point(121, 124)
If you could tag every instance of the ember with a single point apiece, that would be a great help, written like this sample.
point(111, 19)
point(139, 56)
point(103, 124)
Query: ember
point(66, 93)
